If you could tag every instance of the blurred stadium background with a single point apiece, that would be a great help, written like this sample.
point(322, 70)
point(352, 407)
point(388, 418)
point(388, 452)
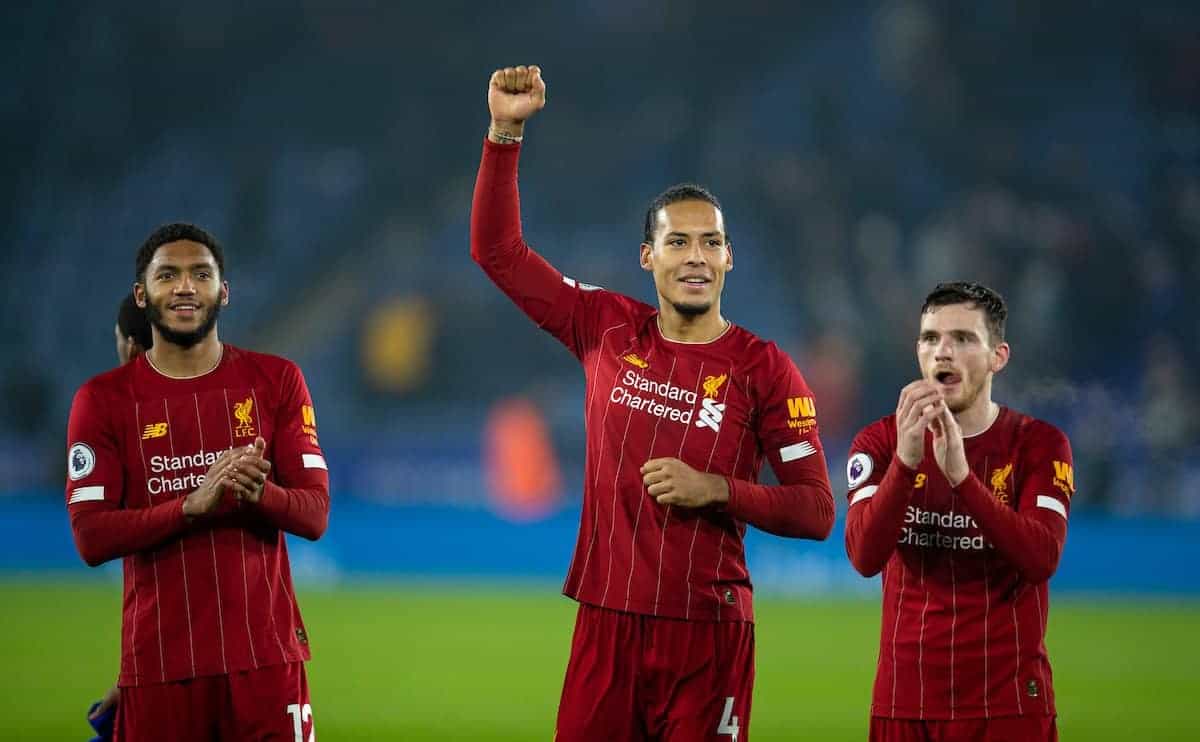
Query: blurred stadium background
point(863, 151)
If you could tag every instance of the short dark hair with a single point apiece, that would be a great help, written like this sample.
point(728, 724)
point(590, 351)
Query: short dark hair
point(132, 322)
point(675, 194)
point(174, 232)
point(995, 310)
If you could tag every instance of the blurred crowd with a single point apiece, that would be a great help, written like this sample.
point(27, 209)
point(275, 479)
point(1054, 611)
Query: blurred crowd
point(863, 152)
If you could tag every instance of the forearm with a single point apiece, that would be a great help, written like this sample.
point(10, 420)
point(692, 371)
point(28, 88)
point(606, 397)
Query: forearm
point(101, 535)
point(1031, 545)
point(300, 511)
point(873, 524)
point(801, 509)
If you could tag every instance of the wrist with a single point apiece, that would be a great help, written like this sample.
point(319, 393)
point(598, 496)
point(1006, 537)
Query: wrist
point(506, 132)
point(718, 490)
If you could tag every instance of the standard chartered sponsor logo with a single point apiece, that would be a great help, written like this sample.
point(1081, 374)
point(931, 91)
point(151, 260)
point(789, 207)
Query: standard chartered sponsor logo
point(165, 466)
point(639, 393)
point(916, 516)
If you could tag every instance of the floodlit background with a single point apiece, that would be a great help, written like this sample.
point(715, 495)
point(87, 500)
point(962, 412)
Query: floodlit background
point(863, 152)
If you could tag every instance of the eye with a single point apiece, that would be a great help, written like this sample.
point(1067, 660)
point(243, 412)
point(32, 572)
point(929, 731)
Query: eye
point(677, 242)
point(203, 275)
point(715, 243)
point(165, 275)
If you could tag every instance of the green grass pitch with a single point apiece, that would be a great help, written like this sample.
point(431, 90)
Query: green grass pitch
point(415, 661)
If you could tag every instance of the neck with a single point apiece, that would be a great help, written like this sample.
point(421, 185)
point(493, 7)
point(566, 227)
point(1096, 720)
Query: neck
point(181, 363)
point(691, 328)
point(979, 416)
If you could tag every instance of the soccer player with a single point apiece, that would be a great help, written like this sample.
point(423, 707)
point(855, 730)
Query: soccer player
point(190, 462)
point(962, 504)
point(682, 407)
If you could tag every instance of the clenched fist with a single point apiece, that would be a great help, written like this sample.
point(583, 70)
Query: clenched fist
point(514, 94)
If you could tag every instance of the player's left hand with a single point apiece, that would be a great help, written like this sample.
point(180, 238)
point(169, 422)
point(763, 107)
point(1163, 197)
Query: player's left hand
point(249, 472)
point(672, 482)
point(948, 448)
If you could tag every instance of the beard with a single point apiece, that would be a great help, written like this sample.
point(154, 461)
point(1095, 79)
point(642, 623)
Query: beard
point(968, 398)
point(183, 338)
point(691, 310)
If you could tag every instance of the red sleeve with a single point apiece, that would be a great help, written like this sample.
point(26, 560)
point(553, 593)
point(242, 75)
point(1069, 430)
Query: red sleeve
point(801, 505)
point(557, 304)
point(296, 496)
point(103, 530)
point(880, 488)
point(1031, 537)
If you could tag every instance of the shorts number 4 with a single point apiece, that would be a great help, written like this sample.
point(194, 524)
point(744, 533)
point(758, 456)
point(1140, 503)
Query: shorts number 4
point(729, 722)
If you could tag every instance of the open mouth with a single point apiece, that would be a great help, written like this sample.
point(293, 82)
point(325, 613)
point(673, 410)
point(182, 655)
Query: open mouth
point(185, 309)
point(947, 378)
point(695, 282)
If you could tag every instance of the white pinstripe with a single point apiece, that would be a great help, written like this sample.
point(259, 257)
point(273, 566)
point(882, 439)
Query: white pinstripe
point(162, 663)
point(242, 534)
point(667, 517)
point(954, 611)
point(187, 599)
point(642, 504)
point(600, 457)
point(212, 541)
point(987, 612)
point(921, 644)
point(896, 629)
point(612, 530)
point(1041, 670)
point(263, 549)
point(687, 580)
point(721, 544)
point(1017, 640)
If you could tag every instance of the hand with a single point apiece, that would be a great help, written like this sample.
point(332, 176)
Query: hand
point(515, 94)
point(110, 699)
point(919, 405)
point(948, 448)
point(249, 471)
point(672, 482)
point(205, 498)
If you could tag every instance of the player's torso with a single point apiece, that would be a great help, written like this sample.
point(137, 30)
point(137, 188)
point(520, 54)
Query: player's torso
point(954, 611)
point(649, 398)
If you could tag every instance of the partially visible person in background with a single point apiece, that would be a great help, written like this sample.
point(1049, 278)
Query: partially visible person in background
point(134, 337)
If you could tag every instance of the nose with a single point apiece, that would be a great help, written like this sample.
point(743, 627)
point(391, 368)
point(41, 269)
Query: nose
point(695, 255)
point(943, 350)
point(185, 286)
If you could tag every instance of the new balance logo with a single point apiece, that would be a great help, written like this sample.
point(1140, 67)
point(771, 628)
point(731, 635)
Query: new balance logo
point(711, 414)
point(154, 430)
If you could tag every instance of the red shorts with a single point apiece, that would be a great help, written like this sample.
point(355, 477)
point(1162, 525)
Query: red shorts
point(270, 703)
point(633, 677)
point(999, 729)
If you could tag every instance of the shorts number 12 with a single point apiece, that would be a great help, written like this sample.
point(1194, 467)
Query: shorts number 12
point(729, 722)
point(302, 714)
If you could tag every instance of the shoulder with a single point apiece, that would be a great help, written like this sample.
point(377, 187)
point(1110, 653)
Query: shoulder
point(614, 303)
point(112, 383)
point(1031, 433)
point(882, 432)
point(759, 355)
point(272, 366)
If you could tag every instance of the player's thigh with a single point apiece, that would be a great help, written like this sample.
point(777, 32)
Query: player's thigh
point(187, 711)
point(900, 730)
point(1000, 729)
point(271, 704)
point(709, 701)
point(599, 697)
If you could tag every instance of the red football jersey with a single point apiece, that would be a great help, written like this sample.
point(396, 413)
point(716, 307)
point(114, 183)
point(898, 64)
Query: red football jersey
point(965, 594)
point(720, 407)
point(214, 595)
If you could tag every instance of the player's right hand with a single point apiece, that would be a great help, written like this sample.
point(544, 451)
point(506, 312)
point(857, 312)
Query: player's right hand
point(219, 478)
point(515, 94)
point(920, 403)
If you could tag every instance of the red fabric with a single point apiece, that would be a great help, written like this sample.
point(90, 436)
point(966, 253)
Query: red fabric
point(215, 595)
point(965, 597)
point(645, 399)
point(632, 677)
point(1002, 729)
point(263, 704)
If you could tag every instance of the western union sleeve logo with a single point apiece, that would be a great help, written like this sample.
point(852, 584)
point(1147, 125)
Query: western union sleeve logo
point(308, 415)
point(154, 430)
point(801, 407)
point(1064, 477)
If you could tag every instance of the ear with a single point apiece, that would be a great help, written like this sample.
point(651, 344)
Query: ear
point(1000, 355)
point(729, 257)
point(645, 261)
point(139, 294)
point(224, 293)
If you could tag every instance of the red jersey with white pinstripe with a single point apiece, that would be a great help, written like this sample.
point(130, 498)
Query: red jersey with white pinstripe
point(965, 592)
point(212, 596)
point(721, 407)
